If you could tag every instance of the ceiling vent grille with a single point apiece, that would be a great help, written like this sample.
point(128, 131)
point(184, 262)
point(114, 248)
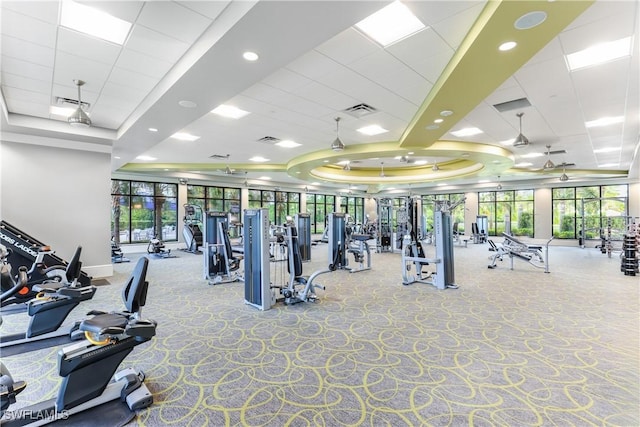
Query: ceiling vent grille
point(68, 101)
point(269, 139)
point(558, 152)
point(360, 110)
point(515, 104)
point(219, 156)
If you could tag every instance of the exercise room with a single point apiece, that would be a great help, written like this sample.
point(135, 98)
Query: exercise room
point(314, 213)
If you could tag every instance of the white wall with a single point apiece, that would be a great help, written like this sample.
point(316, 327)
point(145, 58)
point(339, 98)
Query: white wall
point(542, 221)
point(60, 197)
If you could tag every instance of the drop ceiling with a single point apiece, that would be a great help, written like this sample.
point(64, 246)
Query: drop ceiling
point(313, 66)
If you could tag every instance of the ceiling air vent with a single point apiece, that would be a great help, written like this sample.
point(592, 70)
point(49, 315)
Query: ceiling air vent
point(360, 110)
point(515, 104)
point(219, 156)
point(269, 139)
point(68, 101)
point(558, 152)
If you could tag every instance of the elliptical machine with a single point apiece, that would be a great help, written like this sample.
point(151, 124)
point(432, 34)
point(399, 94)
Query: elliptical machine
point(192, 232)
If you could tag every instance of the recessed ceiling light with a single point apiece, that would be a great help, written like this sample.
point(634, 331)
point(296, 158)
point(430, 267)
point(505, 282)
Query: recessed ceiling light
point(146, 158)
point(495, 162)
point(166, 169)
point(265, 178)
point(532, 155)
point(91, 21)
point(466, 132)
point(229, 111)
point(441, 184)
point(187, 104)
point(523, 164)
point(153, 130)
point(465, 155)
point(599, 53)
point(250, 56)
point(397, 157)
point(483, 181)
point(390, 24)
point(287, 143)
point(391, 188)
point(420, 162)
point(507, 46)
point(411, 153)
point(183, 136)
point(325, 161)
point(438, 121)
point(604, 121)
point(530, 20)
point(258, 159)
point(372, 130)
point(116, 157)
point(432, 127)
point(446, 113)
point(61, 111)
point(608, 165)
point(315, 183)
point(606, 150)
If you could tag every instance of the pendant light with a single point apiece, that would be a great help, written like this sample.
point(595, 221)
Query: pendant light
point(382, 175)
point(548, 165)
point(521, 140)
point(337, 145)
point(346, 167)
point(435, 167)
point(79, 118)
point(499, 186)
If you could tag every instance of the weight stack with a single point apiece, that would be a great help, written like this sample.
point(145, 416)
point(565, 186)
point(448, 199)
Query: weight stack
point(629, 264)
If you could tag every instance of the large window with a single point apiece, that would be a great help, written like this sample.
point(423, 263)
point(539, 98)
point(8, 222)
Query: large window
point(319, 206)
point(279, 203)
point(354, 206)
point(428, 209)
point(142, 210)
point(509, 211)
point(597, 208)
point(218, 199)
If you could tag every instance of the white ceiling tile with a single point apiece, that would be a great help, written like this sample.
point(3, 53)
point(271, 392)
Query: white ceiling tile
point(605, 29)
point(26, 69)
point(21, 82)
point(26, 95)
point(385, 70)
point(27, 51)
point(71, 67)
point(28, 28)
point(143, 64)
point(313, 65)
point(46, 11)
point(155, 44)
point(552, 50)
point(603, 9)
point(599, 95)
point(115, 94)
point(286, 80)
point(132, 79)
point(431, 12)
point(348, 46)
point(18, 106)
point(210, 9)
point(87, 47)
point(173, 20)
point(422, 52)
point(109, 116)
point(454, 29)
point(326, 96)
point(544, 79)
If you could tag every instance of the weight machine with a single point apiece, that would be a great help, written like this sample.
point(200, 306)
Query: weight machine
point(385, 225)
point(515, 248)
point(412, 255)
point(258, 290)
point(220, 265)
point(303, 224)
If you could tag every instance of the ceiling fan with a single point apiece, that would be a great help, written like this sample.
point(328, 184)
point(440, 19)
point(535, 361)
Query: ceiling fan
point(227, 170)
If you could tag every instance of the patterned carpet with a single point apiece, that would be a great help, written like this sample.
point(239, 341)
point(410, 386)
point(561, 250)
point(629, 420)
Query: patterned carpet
point(508, 348)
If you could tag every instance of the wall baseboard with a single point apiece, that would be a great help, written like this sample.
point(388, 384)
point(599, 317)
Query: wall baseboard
point(99, 271)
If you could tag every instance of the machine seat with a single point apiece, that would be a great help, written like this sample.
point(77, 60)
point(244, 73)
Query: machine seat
point(534, 247)
point(103, 323)
point(361, 237)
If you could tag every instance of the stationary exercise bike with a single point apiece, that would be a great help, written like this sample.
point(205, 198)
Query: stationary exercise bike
point(89, 367)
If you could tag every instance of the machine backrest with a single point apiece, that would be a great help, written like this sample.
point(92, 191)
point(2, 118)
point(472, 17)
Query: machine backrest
point(134, 294)
point(74, 266)
point(474, 228)
point(455, 228)
point(493, 245)
point(294, 253)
